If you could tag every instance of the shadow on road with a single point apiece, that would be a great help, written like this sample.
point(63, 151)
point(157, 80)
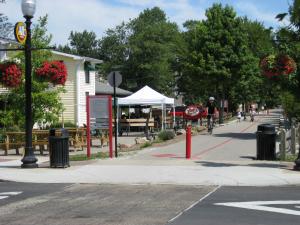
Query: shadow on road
point(220, 164)
point(242, 136)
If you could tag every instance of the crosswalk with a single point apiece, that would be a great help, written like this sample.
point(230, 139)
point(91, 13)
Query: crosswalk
point(4, 195)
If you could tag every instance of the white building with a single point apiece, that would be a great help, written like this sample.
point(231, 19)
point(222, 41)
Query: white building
point(79, 84)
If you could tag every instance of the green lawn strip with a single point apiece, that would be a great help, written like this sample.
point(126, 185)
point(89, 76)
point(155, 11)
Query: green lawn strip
point(290, 158)
point(83, 157)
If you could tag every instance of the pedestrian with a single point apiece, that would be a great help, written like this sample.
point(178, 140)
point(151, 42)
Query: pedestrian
point(239, 116)
point(252, 114)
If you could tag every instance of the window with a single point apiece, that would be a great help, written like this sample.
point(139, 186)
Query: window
point(87, 69)
point(87, 76)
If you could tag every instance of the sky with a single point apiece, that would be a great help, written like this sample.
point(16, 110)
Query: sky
point(65, 16)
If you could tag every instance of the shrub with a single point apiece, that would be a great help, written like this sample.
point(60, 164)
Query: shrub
point(147, 144)
point(66, 124)
point(166, 135)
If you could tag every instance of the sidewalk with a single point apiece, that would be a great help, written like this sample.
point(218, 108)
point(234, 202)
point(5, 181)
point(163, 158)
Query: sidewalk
point(224, 158)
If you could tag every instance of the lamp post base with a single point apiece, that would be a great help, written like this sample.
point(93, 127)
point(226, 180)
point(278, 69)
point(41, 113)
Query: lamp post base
point(29, 160)
point(297, 162)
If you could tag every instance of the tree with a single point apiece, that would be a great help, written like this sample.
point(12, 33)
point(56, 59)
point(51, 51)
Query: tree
point(254, 86)
point(81, 43)
point(152, 47)
point(218, 56)
point(114, 48)
point(6, 28)
point(46, 105)
point(145, 48)
point(287, 41)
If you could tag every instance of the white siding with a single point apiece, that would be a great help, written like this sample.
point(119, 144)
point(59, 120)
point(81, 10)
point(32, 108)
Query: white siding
point(68, 98)
point(83, 88)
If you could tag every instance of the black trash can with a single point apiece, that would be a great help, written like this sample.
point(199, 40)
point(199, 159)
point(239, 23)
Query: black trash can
point(59, 148)
point(266, 142)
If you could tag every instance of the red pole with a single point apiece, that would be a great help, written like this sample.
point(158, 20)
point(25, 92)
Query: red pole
point(188, 142)
point(110, 127)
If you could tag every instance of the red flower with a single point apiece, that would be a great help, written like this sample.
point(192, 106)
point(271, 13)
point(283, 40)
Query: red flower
point(54, 72)
point(277, 65)
point(10, 74)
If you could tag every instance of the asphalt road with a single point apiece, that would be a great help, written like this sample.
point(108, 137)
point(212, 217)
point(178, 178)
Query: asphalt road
point(78, 204)
point(91, 204)
point(226, 206)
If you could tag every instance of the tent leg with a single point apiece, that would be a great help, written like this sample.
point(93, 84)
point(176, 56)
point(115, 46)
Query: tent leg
point(174, 122)
point(162, 116)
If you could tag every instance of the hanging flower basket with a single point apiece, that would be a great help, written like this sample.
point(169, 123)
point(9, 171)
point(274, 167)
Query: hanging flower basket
point(54, 72)
point(272, 66)
point(10, 74)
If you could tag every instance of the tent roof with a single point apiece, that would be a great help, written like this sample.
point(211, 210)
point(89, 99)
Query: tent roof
point(146, 96)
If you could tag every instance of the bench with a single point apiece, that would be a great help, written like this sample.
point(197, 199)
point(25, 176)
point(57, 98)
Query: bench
point(16, 140)
point(126, 124)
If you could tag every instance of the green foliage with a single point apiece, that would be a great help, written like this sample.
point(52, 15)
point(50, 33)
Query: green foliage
point(145, 48)
point(83, 157)
point(81, 43)
point(46, 105)
point(166, 135)
point(6, 28)
point(291, 105)
point(66, 124)
point(218, 59)
point(146, 144)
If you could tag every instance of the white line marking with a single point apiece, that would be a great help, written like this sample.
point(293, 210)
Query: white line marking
point(261, 205)
point(11, 193)
point(4, 195)
point(195, 203)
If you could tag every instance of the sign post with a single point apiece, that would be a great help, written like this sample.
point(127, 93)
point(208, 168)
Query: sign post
point(115, 79)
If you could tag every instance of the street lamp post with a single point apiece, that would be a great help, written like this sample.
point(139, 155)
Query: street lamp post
point(29, 160)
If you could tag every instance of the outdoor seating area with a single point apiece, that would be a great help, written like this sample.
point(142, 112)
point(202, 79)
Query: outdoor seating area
point(77, 140)
point(127, 124)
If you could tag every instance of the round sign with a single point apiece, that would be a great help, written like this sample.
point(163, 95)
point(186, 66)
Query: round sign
point(20, 32)
point(118, 78)
point(192, 111)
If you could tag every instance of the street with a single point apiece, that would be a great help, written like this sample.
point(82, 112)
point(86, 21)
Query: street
point(79, 204)
point(279, 205)
point(146, 204)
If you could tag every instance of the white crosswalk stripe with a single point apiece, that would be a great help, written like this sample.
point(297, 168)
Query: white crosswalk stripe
point(4, 195)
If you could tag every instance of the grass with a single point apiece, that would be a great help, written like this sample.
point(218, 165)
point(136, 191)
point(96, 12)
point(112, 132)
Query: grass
point(83, 157)
point(147, 144)
point(290, 158)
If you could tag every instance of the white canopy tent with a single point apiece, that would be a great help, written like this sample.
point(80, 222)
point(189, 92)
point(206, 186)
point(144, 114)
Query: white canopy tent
point(148, 96)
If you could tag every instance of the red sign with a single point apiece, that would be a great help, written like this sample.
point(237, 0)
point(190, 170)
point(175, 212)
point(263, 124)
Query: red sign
point(192, 111)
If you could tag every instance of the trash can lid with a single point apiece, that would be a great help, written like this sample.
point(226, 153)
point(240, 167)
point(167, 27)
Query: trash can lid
point(59, 132)
point(64, 132)
point(266, 127)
